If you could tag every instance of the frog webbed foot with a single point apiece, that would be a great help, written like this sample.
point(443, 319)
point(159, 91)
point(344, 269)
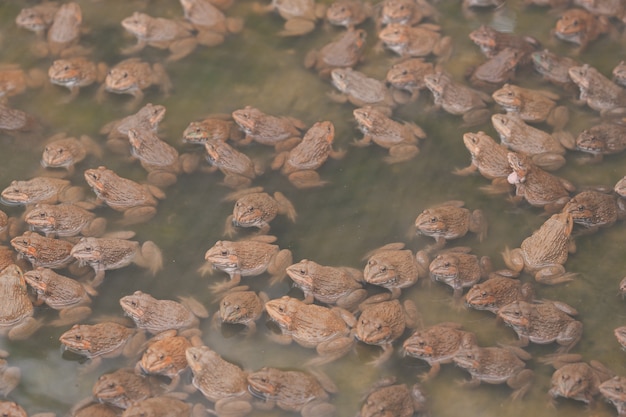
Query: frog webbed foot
point(306, 179)
point(554, 274)
point(150, 257)
point(401, 153)
point(71, 316)
point(318, 409)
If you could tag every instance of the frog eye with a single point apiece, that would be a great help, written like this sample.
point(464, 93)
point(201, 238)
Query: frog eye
point(250, 209)
point(402, 7)
point(125, 75)
point(580, 207)
point(483, 294)
point(383, 269)
point(575, 22)
point(111, 384)
point(433, 220)
point(446, 264)
point(281, 309)
point(78, 337)
point(404, 72)
point(133, 303)
point(617, 389)
point(161, 356)
point(224, 253)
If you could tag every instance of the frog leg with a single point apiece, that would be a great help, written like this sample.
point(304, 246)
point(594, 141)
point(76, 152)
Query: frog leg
point(150, 257)
point(232, 407)
point(306, 179)
point(514, 259)
point(25, 329)
point(181, 48)
point(401, 153)
point(11, 376)
point(162, 178)
point(318, 409)
point(135, 48)
point(365, 141)
point(570, 336)
point(475, 117)
point(209, 38)
point(236, 181)
point(220, 287)
point(95, 228)
point(383, 357)
point(138, 215)
point(297, 26)
point(287, 144)
point(554, 274)
point(432, 372)
point(278, 266)
point(520, 383)
point(333, 349)
point(71, 315)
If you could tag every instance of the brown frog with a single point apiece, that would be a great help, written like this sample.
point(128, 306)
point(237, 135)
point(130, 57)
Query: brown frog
point(65, 219)
point(387, 397)
point(549, 3)
point(348, 13)
point(437, 345)
point(497, 365)
point(68, 296)
point(394, 268)
point(161, 405)
point(602, 139)
point(450, 220)
point(341, 286)
point(16, 309)
point(279, 131)
point(147, 119)
point(37, 18)
point(209, 21)
point(295, 391)
point(538, 187)
point(212, 128)
point(64, 33)
point(255, 208)
point(43, 251)
point(400, 138)
point(12, 409)
point(555, 68)
point(608, 8)
point(468, 5)
point(220, 381)
point(620, 187)
point(344, 52)
point(14, 80)
point(76, 72)
point(543, 322)
point(545, 251)
point(64, 151)
point(40, 190)
point(491, 41)
point(248, 257)
point(300, 15)
point(497, 70)
point(594, 209)
point(241, 306)
point(95, 410)
point(165, 356)
point(137, 201)
point(299, 164)
point(122, 388)
point(620, 333)
point(382, 323)
point(498, 291)
point(416, 41)
point(459, 269)
point(156, 315)
point(9, 227)
point(10, 376)
point(619, 74)
point(162, 33)
point(599, 92)
point(405, 12)
point(238, 169)
point(17, 122)
point(103, 254)
point(328, 330)
point(458, 99)
point(532, 106)
point(407, 77)
point(580, 27)
point(613, 391)
point(132, 76)
point(360, 90)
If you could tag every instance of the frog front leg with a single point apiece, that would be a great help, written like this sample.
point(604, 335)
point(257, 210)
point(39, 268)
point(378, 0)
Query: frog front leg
point(331, 350)
point(135, 48)
point(514, 259)
point(277, 267)
point(219, 287)
point(569, 336)
point(554, 274)
point(149, 256)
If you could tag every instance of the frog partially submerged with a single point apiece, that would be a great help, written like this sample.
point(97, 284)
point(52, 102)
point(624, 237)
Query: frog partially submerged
point(407, 78)
point(146, 118)
point(37, 18)
point(498, 291)
point(613, 391)
point(209, 21)
point(459, 269)
point(594, 210)
point(255, 208)
point(360, 90)
point(65, 219)
point(41, 190)
point(43, 251)
point(123, 387)
point(300, 15)
point(238, 169)
point(282, 132)
point(76, 72)
point(580, 27)
point(64, 151)
point(348, 13)
point(16, 309)
point(239, 305)
point(416, 41)
point(602, 139)
point(598, 91)
point(345, 52)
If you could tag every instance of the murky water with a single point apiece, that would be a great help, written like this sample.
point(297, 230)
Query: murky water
point(366, 204)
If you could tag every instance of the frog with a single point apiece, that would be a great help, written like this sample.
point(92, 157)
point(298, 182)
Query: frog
point(209, 21)
point(238, 169)
point(239, 305)
point(282, 132)
point(469, 5)
point(293, 390)
point(175, 35)
point(70, 297)
point(95, 410)
point(103, 254)
point(598, 91)
point(450, 220)
point(393, 267)
point(249, 257)
point(594, 209)
point(299, 164)
point(543, 322)
point(580, 27)
point(43, 251)
point(620, 332)
point(388, 396)
point(556, 4)
point(328, 330)
point(546, 150)
point(620, 187)
point(158, 315)
point(63, 35)
point(459, 269)
point(40, 190)
point(612, 9)
point(9, 257)
point(63, 220)
point(9, 227)
point(16, 310)
point(122, 388)
point(497, 291)
point(613, 391)
point(437, 345)
point(400, 138)
point(360, 90)
point(348, 13)
point(158, 405)
point(137, 201)
point(14, 80)
point(497, 70)
point(76, 72)
point(554, 68)
point(537, 186)
point(599, 140)
point(212, 128)
point(37, 18)
point(344, 52)
point(531, 105)
point(491, 41)
point(407, 78)
point(255, 208)
point(458, 99)
point(416, 41)
point(336, 285)
point(132, 76)
point(404, 12)
point(15, 122)
point(300, 15)
point(497, 365)
point(10, 376)
point(12, 409)
point(146, 118)
point(220, 381)
point(619, 73)
point(63, 151)
point(575, 379)
point(383, 322)
point(544, 252)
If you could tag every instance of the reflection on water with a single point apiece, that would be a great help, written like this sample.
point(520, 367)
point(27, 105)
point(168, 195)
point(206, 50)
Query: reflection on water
point(366, 205)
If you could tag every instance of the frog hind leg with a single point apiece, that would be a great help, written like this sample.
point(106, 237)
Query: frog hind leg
point(520, 383)
point(401, 153)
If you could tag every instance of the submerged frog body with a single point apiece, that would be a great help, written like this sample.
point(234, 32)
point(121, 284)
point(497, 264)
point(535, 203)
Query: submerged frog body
point(16, 309)
point(599, 92)
point(62, 151)
point(212, 128)
point(254, 208)
point(166, 356)
point(64, 33)
point(348, 13)
point(300, 15)
point(497, 70)
point(43, 251)
point(459, 269)
point(76, 72)
point(580, 27)
point(10, 376)
point(345, 52)
point(17, 122)
point(40, 190)
point(279, 131)
point(360, 90)
point(156, 156)
point(122, 388)
point(492, 41)
point(14, 80)
point(415, 41)
point(396, 399)
point(209, 21)
point(158, 406)
point(238, 169)
point(37, 18)
point(555, 68)
point(133, 75)
point(594, 209)
point(408, 76)
point(498, 291)
point(65, 219)
point(602, 139)
point(240, 306)
point(613, 391)
point(147, 119)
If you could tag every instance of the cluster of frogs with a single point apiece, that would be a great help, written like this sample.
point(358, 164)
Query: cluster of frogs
point(339, 308)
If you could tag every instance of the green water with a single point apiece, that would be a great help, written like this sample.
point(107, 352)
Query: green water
point(366, 204)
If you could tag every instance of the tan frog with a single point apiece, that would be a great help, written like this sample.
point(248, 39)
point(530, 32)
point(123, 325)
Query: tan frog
point(619, 73)
point(396, 399)
point(543, 323)
point(238, 169)
point(212, 128)
point(498, 291)
point(103, 254)
point(76, 72)
point(450, 220)
point(545, 251)
point(497, 365)
point(459, 269)
point(156, 315)
point(620, 187)
point(594, 210)
point(220, 381)
point(16, 309)
point(122, 388)
point(613, 391)
point(499, 69)
point(348, 13)
point(620, 333)
point(341, 286)
point(162, 33)
point(9, 228)
point(43, 251)
point(147, 119)
point(405, 12)
point(210, 23)
point(14, 80)
point(328, 330)
point(10, 376)
point(491, 41)
point(407, 76)
point(300, 15)
point(166, 356)
point(296, 391)
point(602, 139)
point(437, 345)
point(580, 27)
point(609, 8)
point(554, 68)
point(279, 131)
point(16, 122)
point(360, 90)
point(400, 138)
point(248, 257)
point(344, 52)
point(68, 296)
point(416, 41)
point(241, 306)
point(41, 190)
point(598, 91)
point(65, 219)
point(12, 409)
point(64, 151)
point(95, 410)
point(137, 201)
point(37, 18)
point(300, 163)
point(63, 35)
point(458, 99)
point(469, 5)
point(255, 208)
